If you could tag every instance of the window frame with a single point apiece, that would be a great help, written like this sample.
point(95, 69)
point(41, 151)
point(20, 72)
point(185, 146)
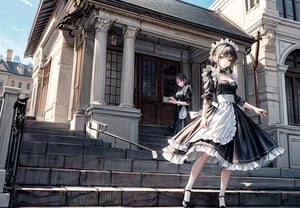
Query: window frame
point(284, 13)
point(113, 77)
point(251, 4)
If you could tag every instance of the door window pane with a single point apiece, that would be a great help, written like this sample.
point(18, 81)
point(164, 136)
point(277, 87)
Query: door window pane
point(149, 79)
point(169, 72)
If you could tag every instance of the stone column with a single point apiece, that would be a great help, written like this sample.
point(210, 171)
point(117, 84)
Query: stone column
point(282, 93)
point(239, 70)
point(99, 61)
point(127, 82)
point(78, 119)
point(37, 79)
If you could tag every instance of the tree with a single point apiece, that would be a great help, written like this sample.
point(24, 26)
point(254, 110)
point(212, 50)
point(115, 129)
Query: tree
point(17, 59)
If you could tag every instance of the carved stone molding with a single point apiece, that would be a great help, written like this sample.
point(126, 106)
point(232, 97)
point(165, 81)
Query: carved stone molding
point(283, 45)
point(282, 68)
point(102, 25)
point(130, 32)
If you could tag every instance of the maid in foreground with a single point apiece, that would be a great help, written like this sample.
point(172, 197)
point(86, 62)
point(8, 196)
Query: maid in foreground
point(223, 131)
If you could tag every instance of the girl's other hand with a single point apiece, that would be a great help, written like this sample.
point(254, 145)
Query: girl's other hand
point(261, 112)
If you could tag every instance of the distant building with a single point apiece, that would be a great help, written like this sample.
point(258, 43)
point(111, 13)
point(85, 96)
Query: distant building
point(15, 75)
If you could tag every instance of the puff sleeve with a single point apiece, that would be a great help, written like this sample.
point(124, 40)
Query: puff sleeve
point(188, 94)
point(238, 100)
point(209, 85)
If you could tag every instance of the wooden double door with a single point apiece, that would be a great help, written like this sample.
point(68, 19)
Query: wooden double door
point(156, 83)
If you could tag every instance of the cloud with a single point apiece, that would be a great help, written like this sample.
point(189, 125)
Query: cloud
point(14, 28)
point(26, 2)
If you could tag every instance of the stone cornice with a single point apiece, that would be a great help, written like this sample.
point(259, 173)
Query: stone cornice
point(141, 18)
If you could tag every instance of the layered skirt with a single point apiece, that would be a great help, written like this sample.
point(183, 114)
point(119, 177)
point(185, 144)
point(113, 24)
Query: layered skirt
point(233, 140)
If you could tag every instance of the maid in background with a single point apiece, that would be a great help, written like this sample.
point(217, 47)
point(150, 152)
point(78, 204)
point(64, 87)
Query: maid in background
point(224, 131)
point(182, 100)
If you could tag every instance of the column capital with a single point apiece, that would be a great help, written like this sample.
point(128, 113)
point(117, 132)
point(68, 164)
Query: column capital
point(102, 24)
point(130, 32)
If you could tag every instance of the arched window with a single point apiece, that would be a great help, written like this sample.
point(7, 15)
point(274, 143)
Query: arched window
point(292, 80)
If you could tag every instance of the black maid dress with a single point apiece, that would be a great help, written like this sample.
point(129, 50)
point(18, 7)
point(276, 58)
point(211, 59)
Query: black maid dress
point(231, 138)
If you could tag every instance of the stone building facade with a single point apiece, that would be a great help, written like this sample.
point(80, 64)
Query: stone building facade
point(115, 60)
point(15, 74)
point(278, 68)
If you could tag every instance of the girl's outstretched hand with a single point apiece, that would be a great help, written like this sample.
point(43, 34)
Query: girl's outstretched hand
point(261, 112)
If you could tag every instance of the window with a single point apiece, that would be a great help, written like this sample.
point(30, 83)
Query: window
point(1, 83)
point(28, 86)
point(292, 79)
point(250, 4)
point(12, 83)
point(289, 9)
point(113, 77)
point(20, 85)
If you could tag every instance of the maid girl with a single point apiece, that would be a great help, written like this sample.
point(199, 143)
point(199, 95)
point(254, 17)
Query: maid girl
point(224, 131)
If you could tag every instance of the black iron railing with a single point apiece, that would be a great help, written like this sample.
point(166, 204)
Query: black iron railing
point(13, 153)
point(102, 128)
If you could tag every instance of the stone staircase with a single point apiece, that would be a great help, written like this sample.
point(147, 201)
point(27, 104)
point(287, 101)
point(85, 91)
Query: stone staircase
point(154, 137)
point(62, 168)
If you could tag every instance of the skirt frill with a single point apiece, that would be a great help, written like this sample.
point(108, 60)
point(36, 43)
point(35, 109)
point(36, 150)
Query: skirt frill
point(250, 147)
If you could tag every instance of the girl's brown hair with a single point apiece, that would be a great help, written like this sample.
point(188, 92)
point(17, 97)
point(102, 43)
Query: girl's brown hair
point(225, 50)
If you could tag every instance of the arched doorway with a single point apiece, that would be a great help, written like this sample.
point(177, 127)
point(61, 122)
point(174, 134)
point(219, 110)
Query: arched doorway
point(292, 80)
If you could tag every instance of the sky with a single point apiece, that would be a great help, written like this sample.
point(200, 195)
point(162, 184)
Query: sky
point(16, 19)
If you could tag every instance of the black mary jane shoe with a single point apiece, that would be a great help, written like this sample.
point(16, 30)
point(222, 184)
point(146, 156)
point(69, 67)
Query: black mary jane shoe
point(186, 202)
point(223, 206)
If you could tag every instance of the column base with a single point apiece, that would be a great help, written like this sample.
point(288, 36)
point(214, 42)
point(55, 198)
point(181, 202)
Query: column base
point(97, 102)
point(79, 121)
point(123, 122)
point(126, 105)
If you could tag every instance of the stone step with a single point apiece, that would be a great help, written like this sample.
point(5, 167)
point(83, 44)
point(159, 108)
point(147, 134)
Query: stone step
point(90, 162)
point(45, 124)
point(147, 197)
point(73, 177)
point(164, 207)
point(4, 199)
point(53, 131)
point(153, 130)
point(38, 137)
point(133, 163)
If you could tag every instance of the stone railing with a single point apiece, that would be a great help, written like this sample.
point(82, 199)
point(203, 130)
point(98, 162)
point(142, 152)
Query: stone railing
point(10, 95)
point(288, 137)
